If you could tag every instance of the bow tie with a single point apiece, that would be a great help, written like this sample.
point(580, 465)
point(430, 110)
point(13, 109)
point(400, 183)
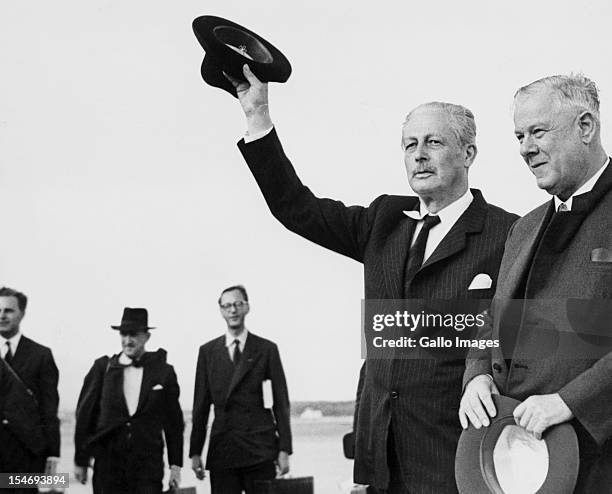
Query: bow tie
point(133, 362)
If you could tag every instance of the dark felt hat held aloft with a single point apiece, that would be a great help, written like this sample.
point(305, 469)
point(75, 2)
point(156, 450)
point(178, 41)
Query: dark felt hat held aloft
point(229, 46)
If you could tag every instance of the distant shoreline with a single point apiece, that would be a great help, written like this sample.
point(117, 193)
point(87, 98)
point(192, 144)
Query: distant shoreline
point(307, 410)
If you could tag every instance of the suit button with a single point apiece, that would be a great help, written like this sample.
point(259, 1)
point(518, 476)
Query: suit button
point(394, 395)
point(129, 424)
point(5, 422)
point(497, 367)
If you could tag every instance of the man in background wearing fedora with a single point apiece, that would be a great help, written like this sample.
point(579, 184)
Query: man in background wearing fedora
point(551, 310)
point(29, 426)
point(407, 431)
point(126, 403)
point(247, 438)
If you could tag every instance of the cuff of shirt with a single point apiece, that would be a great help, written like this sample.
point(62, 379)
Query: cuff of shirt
point(258, 135)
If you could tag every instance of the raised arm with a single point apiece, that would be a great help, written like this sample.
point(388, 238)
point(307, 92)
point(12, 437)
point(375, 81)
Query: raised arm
point(326, 222)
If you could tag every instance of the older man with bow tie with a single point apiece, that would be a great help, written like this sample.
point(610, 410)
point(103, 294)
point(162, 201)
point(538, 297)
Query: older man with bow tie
point(126, 403)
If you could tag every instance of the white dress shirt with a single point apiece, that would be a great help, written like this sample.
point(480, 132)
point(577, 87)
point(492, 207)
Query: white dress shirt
point(132, 381)
point(229, 342)
point(258, 135)
point(587, 187)
point(14, 341)
point(448, 217)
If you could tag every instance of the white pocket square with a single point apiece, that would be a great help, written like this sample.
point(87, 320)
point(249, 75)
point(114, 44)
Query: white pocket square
point(157, 387)
point(481, 281)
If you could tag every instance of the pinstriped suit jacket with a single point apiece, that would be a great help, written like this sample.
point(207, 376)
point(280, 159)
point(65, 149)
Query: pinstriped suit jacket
point(423, 414)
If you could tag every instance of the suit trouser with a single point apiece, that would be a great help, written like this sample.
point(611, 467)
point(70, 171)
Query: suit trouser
point(14, 457)
point(123, 467)
point(237, 480)
point(123, 482)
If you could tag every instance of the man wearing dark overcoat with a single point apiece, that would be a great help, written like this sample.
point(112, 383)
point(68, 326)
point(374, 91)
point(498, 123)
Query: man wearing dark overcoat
point(128, 406)
point(551, 310)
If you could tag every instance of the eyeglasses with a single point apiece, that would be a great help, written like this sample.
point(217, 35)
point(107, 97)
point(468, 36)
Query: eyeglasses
point(239, 304)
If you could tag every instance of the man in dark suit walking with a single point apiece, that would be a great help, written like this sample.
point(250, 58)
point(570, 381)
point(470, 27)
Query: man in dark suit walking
point(248, 441)
point(127, 402)
point(29, 426)
point(446, 243)
point(552, 306)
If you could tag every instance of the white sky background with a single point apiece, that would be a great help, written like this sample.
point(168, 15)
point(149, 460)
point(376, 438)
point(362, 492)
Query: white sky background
point(121, 184)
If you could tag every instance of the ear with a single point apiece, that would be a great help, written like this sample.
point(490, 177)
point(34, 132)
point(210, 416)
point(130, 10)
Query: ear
point(148, 336)
point(587, 125)
point(470, 154)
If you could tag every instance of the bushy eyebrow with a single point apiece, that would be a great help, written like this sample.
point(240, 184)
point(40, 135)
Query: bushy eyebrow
point(427, 136)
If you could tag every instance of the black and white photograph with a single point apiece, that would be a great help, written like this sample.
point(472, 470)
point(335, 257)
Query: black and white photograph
point(305, 247)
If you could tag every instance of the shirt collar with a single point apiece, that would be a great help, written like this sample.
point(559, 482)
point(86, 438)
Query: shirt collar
point(14, 341)
point(229, 338)
point(586, 187)
point(125, 360)
point(449, 214)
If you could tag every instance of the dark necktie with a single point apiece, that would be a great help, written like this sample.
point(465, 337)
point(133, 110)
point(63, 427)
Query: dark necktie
point(237, 352)
point(417, 251)
point(8, 358)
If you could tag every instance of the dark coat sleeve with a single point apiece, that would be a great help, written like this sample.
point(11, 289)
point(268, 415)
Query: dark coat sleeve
point(329, 223)
point(281, 407)
point(88, 409)
point(201, 406)
point(48, 399)
point(173, 422)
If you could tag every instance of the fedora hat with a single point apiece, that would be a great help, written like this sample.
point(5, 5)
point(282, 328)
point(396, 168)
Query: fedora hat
point(229, 46)
point(504, 458)
point(134, 320)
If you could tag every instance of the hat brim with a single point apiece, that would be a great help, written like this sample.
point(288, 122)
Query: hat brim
point(217, 36)
point(133, 328)
point(473, 463)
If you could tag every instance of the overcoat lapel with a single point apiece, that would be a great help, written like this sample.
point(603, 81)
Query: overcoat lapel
point(149, 376)
point(114, 384)
point(22, 354)
point(520, 266)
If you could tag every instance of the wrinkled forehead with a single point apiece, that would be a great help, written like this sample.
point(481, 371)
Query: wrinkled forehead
point(425, 120)
point(537, 105)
